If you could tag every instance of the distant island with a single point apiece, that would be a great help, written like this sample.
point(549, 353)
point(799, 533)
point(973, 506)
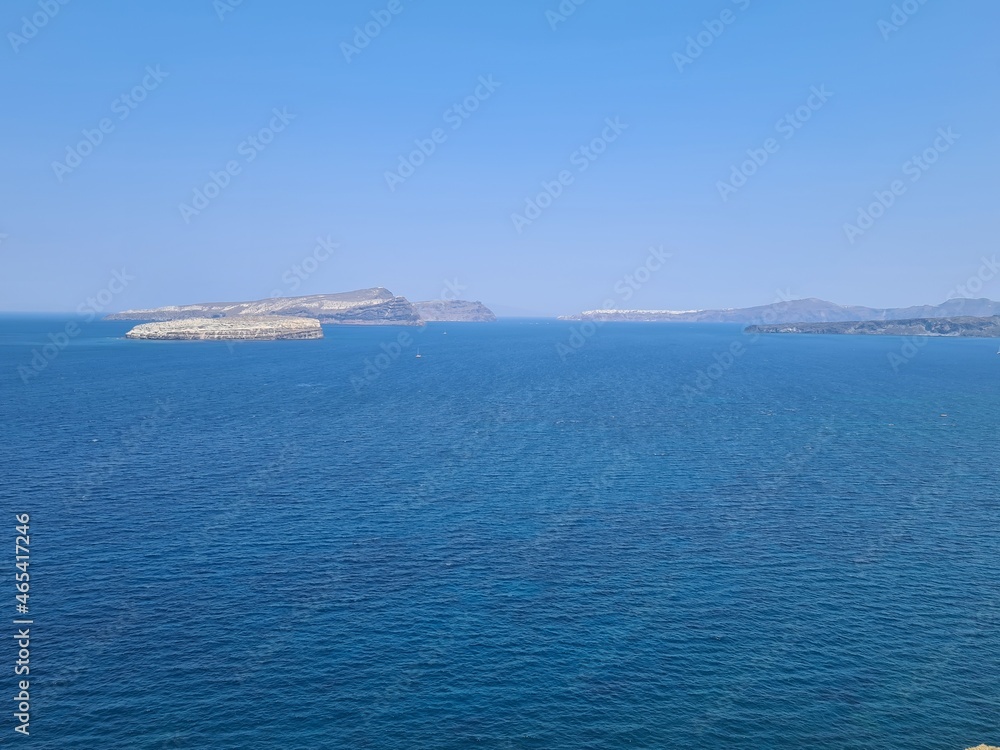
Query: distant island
point(963, 326)
point(797, 311)
point(457, 311)
point(243, 328)
point(368, 307)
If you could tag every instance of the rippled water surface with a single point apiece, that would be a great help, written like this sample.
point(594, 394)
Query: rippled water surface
point(490, 547)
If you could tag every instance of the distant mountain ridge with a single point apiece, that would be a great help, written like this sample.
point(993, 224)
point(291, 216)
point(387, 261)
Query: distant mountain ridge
point(800, 311)
point(375, 306)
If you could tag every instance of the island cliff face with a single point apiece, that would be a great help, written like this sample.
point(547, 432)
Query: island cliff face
point(243, 328)
point(366, 307)
point(376, 306)
point(968, 327)
point(454, 311)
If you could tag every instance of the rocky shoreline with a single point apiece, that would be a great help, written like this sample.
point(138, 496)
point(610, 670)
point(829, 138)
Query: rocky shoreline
point(955, 327)
point(243, 328)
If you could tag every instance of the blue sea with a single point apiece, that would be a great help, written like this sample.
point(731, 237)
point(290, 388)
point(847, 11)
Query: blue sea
point(528, 537)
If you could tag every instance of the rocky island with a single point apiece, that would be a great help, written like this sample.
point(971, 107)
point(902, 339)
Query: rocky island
point(454, 311)
point(964, 326)
point(376, 306)
point(243, 328)
point(365, 307)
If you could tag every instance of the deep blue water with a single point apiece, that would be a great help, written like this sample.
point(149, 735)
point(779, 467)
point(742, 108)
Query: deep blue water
point(490, 547)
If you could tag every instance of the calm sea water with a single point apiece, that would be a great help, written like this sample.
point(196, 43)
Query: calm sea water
point(488, 546)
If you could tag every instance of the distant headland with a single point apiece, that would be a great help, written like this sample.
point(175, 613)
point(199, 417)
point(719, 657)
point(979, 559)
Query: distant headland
point(798, 311)
point(365, 307)
point(454, 311)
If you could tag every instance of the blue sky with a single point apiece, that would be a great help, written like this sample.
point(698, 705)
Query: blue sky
point(220, 71)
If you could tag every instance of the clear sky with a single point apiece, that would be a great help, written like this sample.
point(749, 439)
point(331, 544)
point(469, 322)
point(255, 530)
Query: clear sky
point(534, 85)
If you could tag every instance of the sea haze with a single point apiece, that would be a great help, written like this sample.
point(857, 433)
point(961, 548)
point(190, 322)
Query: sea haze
point(335, 543)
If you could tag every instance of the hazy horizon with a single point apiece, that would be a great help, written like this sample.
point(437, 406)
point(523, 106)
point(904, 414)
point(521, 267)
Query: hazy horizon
point(405, 159)
point(501, 310)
